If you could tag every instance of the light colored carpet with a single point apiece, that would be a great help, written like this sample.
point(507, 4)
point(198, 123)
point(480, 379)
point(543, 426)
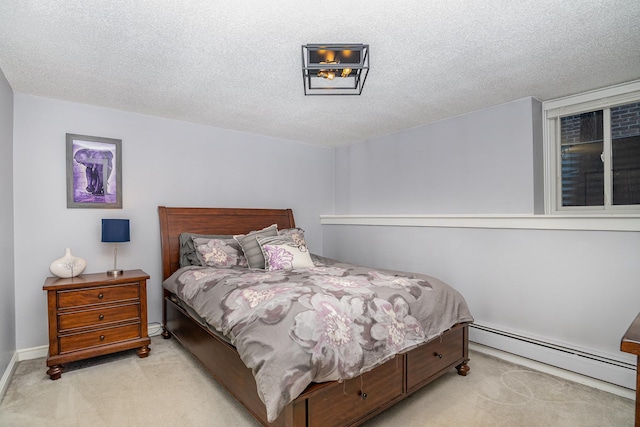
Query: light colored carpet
point(170, 388)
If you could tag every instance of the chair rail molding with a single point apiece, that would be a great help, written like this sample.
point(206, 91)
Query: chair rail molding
point(629, 222)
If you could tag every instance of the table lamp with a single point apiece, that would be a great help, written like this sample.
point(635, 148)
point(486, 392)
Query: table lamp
point(115, 231)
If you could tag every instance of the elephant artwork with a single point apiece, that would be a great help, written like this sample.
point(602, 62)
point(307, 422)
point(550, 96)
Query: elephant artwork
point(93, 172)
point(98, 166)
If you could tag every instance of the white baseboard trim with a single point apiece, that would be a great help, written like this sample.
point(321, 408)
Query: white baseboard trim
point(614, 376)
point(32, 353)
point(8, 373)
point(155, 328)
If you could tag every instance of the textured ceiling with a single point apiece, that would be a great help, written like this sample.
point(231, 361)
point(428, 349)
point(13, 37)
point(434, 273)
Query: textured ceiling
point(237, 64)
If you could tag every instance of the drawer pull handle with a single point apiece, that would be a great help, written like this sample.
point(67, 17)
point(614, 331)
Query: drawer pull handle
point(101, 317)
point(438, 355)
point(101, 337)
point(100, 296)
point(363, 395)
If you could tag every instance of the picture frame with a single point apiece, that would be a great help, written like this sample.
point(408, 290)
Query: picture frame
point(94, 172)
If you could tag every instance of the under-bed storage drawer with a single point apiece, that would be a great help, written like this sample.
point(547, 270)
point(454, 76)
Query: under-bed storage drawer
point(432, 358)
point(359, 396)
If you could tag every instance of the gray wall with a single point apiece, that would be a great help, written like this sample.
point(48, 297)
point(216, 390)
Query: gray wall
point(576, 288)
point(7, 283)
point(474, 163)
point(165, 162)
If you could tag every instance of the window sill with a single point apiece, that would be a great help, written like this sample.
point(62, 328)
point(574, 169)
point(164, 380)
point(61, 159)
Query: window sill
point(506, 221)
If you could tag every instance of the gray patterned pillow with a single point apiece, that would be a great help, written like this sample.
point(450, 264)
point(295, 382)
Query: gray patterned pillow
point(251, 248)
point(219, 253)
point(188, 254)
point(297, 234)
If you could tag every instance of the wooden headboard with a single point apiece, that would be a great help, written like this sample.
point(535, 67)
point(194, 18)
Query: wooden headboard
point(174, 221)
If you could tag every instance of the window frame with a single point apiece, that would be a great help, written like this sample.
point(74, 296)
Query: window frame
point(552, 111)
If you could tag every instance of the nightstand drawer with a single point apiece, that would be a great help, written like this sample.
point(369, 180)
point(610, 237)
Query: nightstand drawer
point(98, 317)
point(90, 296)
point(85, 340)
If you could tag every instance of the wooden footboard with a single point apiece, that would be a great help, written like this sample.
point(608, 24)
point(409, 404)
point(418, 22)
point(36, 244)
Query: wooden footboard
point(326, 404)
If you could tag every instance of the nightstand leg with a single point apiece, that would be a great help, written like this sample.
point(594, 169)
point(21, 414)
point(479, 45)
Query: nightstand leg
point(55, 372)
point(144, 351)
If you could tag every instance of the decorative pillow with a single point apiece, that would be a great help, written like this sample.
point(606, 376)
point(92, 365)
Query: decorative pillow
point(297, 234)
point(250, 246)
point(188, 255)
point(220, 253)
point(283, 253)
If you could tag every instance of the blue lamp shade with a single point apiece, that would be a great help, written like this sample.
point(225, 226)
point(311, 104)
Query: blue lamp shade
point(115, 230)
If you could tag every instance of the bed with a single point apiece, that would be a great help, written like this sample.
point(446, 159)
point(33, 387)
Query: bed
point(343, 402)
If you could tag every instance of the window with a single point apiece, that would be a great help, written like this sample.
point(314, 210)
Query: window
point(592, 152)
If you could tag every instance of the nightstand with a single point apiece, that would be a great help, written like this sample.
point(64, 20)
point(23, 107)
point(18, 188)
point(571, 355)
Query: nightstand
point(95, 314)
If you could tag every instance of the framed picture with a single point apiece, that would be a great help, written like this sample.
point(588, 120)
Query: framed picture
point(94, 172)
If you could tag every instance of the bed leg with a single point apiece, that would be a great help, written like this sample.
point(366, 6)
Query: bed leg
point(463, 368)
point(165, 333)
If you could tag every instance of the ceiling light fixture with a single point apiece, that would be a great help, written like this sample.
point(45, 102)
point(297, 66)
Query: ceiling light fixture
point(334, 69)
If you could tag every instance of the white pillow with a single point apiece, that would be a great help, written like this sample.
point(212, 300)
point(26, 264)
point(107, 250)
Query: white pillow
point(283, 253)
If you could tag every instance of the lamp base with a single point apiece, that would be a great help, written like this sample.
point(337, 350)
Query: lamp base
point(114, 273)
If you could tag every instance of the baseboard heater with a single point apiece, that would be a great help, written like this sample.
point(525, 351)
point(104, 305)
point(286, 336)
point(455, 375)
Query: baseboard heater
point(615, 371)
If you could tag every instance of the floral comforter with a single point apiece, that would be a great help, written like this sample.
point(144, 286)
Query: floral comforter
point(330, 322)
